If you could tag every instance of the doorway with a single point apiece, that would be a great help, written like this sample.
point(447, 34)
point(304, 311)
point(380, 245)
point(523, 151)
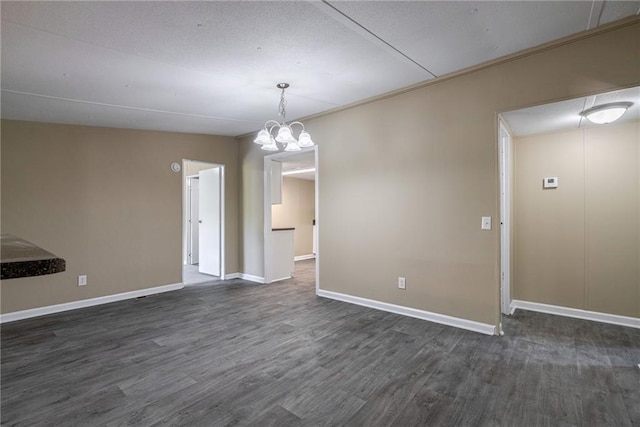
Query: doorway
point(203, 223)
point(291, 202)
point(569, 207)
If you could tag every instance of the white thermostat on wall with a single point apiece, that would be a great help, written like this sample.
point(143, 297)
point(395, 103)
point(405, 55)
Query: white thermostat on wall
point(550, 182)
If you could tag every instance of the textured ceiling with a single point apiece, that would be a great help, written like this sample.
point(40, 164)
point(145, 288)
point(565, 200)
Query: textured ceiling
point(211, 67)
point(565, 115)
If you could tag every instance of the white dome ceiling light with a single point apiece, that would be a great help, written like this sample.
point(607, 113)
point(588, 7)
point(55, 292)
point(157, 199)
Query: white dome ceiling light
point(606, 113)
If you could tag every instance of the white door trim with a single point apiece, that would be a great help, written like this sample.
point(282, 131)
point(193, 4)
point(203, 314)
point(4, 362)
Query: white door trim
point(504, 153)
point(190, 219)
point(317, 215)
point(267, 210)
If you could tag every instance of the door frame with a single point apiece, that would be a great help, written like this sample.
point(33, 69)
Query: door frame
point(505, 145)
point(185, 208)
point(267, 210)
point(189, 248)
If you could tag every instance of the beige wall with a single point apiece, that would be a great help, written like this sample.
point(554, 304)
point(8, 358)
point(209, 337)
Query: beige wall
point(404, 180)
point(297, 210)
point(548, 236)
point(612, 227)
point(106, 201)
point(578, 245)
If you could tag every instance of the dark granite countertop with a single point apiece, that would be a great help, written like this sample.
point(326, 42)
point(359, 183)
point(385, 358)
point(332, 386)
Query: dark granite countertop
point(20, 258)
point(283, 229)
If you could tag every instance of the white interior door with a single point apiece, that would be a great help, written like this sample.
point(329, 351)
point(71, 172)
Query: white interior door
point(209, 221)
point(193, 241)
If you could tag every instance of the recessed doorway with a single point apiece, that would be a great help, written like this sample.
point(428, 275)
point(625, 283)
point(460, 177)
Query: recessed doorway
point(203, 222)
point(570, 202)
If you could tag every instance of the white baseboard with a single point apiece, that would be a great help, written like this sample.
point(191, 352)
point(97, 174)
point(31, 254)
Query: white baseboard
point(303, 257)
point(251, 278)
point(512, 308)
point(483, 328)
point(244, 276)
point(281, 278)
point(614, 319)
point(41, 311)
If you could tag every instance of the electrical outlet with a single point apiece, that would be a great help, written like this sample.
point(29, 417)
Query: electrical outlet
point(402, 283)
point(82, 280)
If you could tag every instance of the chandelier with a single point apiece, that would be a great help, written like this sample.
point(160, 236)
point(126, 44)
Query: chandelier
point(285, 131)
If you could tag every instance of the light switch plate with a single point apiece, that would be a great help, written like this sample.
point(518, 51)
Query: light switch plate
point(82, 280)
point(486, 223)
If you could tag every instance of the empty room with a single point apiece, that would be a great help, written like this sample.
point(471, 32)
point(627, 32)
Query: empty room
point(340, 213)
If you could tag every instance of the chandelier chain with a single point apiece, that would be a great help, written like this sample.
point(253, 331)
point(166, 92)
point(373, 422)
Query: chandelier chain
point(281, 108)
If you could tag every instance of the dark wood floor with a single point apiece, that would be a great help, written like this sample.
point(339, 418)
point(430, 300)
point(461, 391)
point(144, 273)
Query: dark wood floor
point(244, 354)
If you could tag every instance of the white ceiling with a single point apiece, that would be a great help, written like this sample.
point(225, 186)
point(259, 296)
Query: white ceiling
point(300, 161)
point(565, 115)
point(211, 67)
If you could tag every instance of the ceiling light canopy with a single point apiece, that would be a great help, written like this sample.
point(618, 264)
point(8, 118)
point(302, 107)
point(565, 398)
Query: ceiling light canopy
point(606, 113)
point(284, 133)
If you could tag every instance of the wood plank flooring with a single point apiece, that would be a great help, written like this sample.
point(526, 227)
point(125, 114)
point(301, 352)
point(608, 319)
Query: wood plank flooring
point(239, 353)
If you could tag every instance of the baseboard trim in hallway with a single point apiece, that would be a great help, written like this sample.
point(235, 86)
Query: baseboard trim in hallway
point(304, 257)
point(251, 278)
point(244, 276)
point(41, 311)
point(471, 325)
point(614, 319)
